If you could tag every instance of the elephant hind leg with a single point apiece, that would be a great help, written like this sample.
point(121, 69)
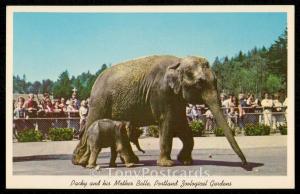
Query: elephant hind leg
point(80, 151)
point(85, 157)
point(185, 155)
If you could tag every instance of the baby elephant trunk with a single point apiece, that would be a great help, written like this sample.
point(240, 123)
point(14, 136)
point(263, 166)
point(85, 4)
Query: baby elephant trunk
point(137, 144)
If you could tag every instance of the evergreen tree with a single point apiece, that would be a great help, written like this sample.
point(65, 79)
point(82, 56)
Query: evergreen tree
point(62, 87)
point(47, 85)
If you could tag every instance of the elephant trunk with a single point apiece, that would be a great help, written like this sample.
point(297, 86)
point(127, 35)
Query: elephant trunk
point(137, 144)
point(218, 114)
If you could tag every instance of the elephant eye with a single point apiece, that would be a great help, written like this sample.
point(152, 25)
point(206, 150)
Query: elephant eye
point(190, 75)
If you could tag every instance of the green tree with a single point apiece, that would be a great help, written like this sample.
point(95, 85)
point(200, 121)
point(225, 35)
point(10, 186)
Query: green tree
point(47, 86)
point(278, 56)
point(17, 88)
point(217, 67)
point(259, 70)
point(36, 87)
point(273, 83)
point(62, 87)
point(77, 84)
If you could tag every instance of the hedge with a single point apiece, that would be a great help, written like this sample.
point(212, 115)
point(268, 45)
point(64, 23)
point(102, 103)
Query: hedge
point(257, 129)
point(29, 135)
point(197, 128)
point(60, 134)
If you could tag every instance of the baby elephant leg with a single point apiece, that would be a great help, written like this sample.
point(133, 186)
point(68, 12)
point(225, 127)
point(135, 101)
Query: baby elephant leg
point(127, 160)
point(113, 156)
point(93, 157)
point(122, 159)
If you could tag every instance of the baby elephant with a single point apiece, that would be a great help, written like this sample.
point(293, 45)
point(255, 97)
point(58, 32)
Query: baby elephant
point(116, 135)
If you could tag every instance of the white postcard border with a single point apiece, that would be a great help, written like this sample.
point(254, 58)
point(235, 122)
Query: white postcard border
point(55, 182)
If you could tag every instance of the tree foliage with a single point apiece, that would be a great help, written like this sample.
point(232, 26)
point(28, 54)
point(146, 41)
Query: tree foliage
point(257, 71)
point(62, 87)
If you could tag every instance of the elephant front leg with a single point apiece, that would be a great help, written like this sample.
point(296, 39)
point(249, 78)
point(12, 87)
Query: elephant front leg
point(93, 157)
point(185, 155)
point(165, 138)
point(113, 156)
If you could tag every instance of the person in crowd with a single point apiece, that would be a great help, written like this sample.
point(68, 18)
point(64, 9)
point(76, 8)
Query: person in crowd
point(63, 123)
point(75, 99)
point(72, 113)
point(48, 120)
point(41, 105)
point(19, 116)
point(63, 106)
point(48, 107)
point(200, 112)
point(31, 107)
point(285, 104)
point(242, 114)
point(226, 104)
point(209, 121)
point(42, 121)
point(195, 114)
point(57, 114)
point(20, 111)
point(87, 102)
point(83, 112)
point(56, 107)
point(223, 99)
point(267, 104)
point(43, 101)
point(232, 115)
point(251, 104)
point(189, 114)
point(277, 117)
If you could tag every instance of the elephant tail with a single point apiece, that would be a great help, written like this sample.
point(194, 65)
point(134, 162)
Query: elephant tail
point(80, 149)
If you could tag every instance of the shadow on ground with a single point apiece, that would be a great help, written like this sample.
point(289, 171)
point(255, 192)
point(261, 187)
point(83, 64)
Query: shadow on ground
point(248, 167)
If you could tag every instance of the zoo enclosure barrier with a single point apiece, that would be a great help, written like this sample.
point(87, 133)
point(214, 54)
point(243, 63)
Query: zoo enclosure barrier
point(44, 124)
point(272, 119)
point(258, 115)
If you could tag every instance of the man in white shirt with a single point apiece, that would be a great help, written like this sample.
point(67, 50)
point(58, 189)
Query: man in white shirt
point(194, 113)
point(267, 104)
point(209, 121)
point(226, 103)
point(278, 119)
point(284, 104)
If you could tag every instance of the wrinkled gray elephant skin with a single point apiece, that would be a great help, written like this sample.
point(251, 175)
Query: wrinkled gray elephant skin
point(155, 91)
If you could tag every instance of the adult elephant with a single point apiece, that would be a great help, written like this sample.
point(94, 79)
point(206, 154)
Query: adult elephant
point(156, 90)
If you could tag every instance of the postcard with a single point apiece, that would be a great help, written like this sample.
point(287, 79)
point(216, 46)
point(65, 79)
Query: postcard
point(150, 97)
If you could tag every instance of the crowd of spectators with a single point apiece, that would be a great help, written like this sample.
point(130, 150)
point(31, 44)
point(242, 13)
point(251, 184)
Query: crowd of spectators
point(242, 109)
point(35, 113)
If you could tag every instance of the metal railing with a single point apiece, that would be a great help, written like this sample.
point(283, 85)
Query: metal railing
point(272, 119)
point(44, 124)
point(257, 116)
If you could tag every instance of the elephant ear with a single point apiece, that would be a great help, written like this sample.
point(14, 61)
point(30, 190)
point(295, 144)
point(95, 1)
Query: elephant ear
point(127, 128)
point(122, 128)
point(173, 77)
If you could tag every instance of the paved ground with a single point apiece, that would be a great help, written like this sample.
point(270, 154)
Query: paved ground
point(212, 156)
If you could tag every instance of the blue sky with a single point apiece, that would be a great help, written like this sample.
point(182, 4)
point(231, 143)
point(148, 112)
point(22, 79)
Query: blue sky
point(46, 44)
